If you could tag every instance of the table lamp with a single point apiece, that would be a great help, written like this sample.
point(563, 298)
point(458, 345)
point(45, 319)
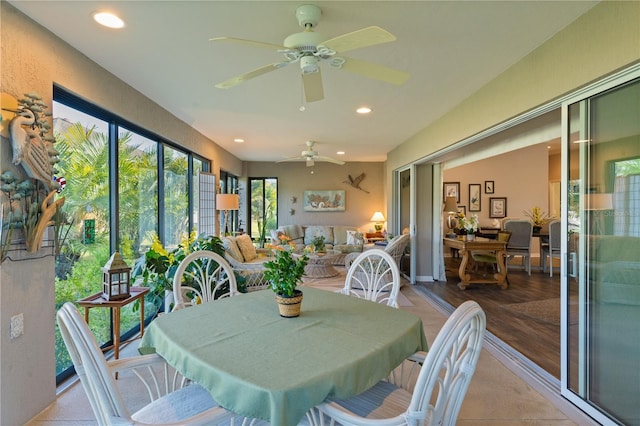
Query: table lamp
point(451, 207)
point(378, 218)
point(224, 203)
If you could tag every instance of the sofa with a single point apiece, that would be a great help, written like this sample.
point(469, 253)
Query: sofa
point(247, 260)
point(345, 239)
point(614, 267)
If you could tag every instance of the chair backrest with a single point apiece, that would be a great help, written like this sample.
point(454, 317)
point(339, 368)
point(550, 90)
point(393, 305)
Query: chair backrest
point(396, 247)
point(521, 233)
point(449, 366)
point(504, 236)
point(554, 235)
point(91, 366)
point(374, 275)
point(203, 276)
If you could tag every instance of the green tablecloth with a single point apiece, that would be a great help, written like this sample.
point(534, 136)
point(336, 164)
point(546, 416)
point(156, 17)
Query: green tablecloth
point(261, 365)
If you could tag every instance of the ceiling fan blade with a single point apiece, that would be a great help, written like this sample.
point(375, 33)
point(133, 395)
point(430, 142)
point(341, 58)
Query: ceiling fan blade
point(253, 43)
point(251, 74)
point(312, 83)
point(375, 71)
point(357, 39)
point(296, 158)
point(329, 160)
point(310, 162)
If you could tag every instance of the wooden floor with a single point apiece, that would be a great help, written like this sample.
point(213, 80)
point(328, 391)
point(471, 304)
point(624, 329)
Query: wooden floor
point(532, 332)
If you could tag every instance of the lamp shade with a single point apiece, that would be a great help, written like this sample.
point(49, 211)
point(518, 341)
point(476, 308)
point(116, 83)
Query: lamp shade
point(377, 217)
point(227, 202)
point(450, 204)
point(598, 201)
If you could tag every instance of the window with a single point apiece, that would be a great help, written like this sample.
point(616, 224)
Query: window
point(264, 208)
point(123, 184)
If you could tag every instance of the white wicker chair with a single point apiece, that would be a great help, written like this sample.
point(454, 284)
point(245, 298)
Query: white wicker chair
point(374, 275)
point(173, 399)
point(201, 277)
point(430, 394)
point(395, 248)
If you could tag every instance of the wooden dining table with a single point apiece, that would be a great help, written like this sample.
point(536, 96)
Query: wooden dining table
point(465, 247)
point(260, 365)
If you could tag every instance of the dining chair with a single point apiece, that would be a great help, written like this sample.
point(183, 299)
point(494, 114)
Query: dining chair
point(489, 257)
point(374, 275)
point(172, 399)
point(203, 276)
point(520, 241)
point(426, 388)
point(552, 249)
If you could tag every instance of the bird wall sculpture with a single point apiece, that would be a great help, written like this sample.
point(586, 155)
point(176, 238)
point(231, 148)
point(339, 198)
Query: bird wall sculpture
point(355, 181)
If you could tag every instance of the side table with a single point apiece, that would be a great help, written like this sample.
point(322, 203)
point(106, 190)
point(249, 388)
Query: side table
point(97, 301)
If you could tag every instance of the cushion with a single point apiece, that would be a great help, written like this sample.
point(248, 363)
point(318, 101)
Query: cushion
point(355, 237)
point(340, 234)
point(292, 231)
point(246, 247)
point(311, 232)
point(229, 244)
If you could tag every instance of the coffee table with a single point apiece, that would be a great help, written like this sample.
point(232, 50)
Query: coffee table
point(320, 265)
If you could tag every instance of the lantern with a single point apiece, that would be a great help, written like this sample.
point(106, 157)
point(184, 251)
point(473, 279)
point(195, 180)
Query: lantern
point(116, 276)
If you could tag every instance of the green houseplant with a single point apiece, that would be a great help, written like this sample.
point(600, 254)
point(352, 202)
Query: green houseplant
point(284, 273)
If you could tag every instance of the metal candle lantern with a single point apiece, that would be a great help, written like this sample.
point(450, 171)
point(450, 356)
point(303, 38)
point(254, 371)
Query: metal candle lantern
point(116, 278)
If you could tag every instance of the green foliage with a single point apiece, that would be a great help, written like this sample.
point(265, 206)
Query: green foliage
point(284, 272)
point(318, 243)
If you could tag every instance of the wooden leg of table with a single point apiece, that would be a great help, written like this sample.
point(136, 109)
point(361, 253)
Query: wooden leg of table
point(142, 316)
point(116, 332)
point(462, 271)
point(501, 275)
point(86, 315)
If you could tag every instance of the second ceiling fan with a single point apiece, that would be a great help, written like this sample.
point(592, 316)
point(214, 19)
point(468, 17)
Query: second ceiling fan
point(310, 48)
point(310, 156)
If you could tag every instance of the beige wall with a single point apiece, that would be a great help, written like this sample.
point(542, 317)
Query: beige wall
point(295, 177)
point(601, 41)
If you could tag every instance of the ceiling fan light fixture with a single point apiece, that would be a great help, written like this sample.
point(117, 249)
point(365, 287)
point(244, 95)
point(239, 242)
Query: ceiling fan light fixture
point(309, 64)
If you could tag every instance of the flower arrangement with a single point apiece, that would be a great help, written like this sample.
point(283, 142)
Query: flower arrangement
point(318, 243)
point(536, 215)
point(469, 224)
point(285, 271)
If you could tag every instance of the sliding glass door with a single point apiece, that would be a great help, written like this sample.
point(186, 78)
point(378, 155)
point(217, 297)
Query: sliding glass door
point(601, 286)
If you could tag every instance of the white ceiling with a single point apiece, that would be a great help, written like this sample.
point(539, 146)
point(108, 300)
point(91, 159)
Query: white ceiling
point(450, 48)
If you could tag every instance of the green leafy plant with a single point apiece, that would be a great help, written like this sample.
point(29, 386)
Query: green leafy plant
point(284, 272)
point(469, 224)
point(318, 243)
point(536, 215)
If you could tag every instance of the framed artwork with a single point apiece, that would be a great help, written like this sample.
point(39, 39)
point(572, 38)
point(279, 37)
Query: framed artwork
point(497, 207)
point(488, 187)
point(452, 189)
point(475, 191)
point(324, 201)
point(462, 210)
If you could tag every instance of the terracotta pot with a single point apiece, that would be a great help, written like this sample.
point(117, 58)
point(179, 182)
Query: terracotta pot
point(289, 306)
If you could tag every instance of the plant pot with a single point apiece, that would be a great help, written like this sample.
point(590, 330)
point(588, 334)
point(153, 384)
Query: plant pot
point(289, 306)
point(471, 237)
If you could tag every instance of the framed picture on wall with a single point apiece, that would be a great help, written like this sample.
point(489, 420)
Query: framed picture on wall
point(462, 210)
point(488, 187)
point(475, 191)
point(324, 201)
point(452, 189)
point(497, 207)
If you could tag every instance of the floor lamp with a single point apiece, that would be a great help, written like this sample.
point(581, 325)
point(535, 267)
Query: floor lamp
point(451, 207)
point(224, 203)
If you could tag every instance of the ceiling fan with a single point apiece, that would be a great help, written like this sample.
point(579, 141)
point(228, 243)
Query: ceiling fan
point(309, 48)
point(311, 156)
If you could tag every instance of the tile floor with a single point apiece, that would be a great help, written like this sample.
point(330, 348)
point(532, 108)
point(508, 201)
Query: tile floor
point(497, 396)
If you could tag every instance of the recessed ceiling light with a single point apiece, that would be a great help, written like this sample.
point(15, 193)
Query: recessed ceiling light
point(363, 110)
point(238, 140)
point(108, 19)
point(340, 152)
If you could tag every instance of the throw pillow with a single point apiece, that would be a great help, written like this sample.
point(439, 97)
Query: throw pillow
point(230, 246)
point(246, 247)
point(354, 237)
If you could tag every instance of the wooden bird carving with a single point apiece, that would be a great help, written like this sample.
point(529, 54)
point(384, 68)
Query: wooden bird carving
point(355, 182)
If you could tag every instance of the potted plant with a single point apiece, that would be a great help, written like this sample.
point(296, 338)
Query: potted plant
point(318, 243)
point(537, 216)
point(284, 273)
point(469, 225)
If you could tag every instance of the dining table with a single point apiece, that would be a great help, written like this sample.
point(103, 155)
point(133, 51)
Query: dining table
point(260, 365)
point(466, 248)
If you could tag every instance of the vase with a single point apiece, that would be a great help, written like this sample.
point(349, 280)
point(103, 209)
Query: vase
point(471, 237)
point(289, 306)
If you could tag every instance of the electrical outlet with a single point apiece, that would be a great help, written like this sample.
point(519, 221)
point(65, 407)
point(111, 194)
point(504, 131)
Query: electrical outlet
point(17, 325)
